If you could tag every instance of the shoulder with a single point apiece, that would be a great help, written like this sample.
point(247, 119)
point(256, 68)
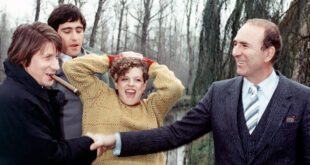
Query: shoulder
point(12, 93)
point(227, 83)
point(293, 87)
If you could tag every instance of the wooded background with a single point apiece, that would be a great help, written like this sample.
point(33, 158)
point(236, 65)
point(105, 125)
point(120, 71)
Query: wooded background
point(192, 37)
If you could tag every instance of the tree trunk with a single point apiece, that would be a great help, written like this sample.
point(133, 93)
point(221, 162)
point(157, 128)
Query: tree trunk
point(97, 18)
point(36, 18)
point(126, 30)
point(61, 2)
point(145, 25)
point(294, 61)
point(189, 47)
point(160, 33)
point(123, 3)
point(4, 44)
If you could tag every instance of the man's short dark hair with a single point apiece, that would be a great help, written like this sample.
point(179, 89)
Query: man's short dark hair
point(65, 13)
point(28, 39)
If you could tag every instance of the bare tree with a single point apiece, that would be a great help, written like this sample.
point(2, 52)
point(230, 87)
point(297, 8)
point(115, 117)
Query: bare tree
point(161, 32)
point(146, 21)
point(79, 3)
point(97, 18)
point(145, 12)
point(112, 42)
point(4, 42)
point(36, 18)
point(104, 36)
point(126, 30)
point(123, 6)
point(61, 2)
point(189, 4)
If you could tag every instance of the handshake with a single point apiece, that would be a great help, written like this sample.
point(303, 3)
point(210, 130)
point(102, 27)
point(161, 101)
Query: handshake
point(102, 142)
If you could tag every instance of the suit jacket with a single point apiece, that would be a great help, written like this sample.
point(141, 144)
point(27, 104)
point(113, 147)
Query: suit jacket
point(71, 114)
point(285, 140)
point(29, 124)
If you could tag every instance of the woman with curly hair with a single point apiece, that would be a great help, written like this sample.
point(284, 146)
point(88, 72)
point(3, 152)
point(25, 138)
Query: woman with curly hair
point(107, 110)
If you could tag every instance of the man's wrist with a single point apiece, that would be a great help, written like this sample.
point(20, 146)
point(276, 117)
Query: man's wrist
point(118, 144)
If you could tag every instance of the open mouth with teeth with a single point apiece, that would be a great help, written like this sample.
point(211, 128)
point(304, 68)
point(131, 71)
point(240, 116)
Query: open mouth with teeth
point(241, 62)
point(130, 93)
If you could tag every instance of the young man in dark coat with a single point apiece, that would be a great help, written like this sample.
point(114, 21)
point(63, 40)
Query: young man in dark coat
point(29, 114)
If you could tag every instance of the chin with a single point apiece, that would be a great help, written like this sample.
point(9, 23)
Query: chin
point(47, 84)
point(240, 72)
point(131, 103)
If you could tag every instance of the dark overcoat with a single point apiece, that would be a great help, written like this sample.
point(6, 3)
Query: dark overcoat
point(29, 124)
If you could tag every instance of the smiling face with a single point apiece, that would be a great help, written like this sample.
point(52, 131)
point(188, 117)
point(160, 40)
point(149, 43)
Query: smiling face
point(72, 35)
point(252, 61)
point(131, 86)
point(43, 64)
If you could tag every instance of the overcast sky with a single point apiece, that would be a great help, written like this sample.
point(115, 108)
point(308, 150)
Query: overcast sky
point(23, 11)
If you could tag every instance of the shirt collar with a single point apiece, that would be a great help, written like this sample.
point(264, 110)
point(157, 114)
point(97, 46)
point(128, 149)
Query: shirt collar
point(267, 86)
point(64, 57)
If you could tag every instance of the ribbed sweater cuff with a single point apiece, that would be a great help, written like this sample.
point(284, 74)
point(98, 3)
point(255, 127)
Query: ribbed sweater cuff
point(148, 61)
point(111, 58)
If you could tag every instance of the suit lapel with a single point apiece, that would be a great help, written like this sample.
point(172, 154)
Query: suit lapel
point(231, 106)
point(278, 110)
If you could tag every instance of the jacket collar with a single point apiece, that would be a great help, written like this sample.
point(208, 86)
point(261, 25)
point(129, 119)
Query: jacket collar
point(18, 73)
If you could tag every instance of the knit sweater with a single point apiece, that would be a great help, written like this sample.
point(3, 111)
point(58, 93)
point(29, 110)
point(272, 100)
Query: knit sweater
point(105, 113)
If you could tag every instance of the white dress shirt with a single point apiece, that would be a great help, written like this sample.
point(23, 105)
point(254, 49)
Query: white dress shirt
point(265, 92)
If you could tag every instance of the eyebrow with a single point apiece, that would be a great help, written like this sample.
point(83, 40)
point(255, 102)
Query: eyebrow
point(78, 27)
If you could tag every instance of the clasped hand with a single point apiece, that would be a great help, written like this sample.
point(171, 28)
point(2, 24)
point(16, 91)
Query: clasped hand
point(102, 142)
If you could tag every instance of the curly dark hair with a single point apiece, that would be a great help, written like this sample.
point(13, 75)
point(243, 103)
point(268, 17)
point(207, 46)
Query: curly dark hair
point(120, 66)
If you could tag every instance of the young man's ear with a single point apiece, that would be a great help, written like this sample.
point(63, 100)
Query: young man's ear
point(269, 53)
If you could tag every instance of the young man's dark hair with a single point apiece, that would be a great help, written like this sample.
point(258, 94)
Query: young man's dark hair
point(28, 39)
point(65, 13)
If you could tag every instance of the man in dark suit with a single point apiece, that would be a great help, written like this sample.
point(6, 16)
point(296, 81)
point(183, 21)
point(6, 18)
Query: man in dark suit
point(260, 117)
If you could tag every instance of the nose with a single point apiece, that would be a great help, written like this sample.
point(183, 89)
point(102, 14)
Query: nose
point(74, 35)
point(131, 82)
point(55, 64)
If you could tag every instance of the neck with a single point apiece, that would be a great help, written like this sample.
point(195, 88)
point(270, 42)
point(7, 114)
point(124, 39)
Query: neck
point(261, 77)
